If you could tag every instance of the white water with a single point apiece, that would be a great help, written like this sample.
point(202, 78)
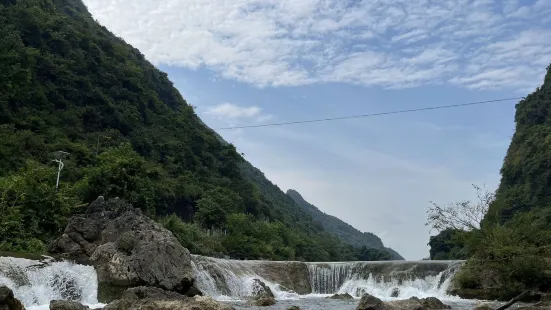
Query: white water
point(358, 278)
point(233, 279)
point(36, 283)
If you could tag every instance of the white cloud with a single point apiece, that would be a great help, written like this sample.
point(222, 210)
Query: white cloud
point(228, 110)
point(285, 42)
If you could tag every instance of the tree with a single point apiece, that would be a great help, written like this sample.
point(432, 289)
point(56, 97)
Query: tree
point(210, 214)
point(122, 173)
point(463, 215)
point(31, 210)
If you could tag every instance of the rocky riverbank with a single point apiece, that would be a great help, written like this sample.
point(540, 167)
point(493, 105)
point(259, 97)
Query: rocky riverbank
point(150, 298)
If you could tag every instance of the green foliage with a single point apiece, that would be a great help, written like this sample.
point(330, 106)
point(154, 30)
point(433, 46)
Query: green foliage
point(69, 84)
point(513, 257)
point(120, 172)
point(449, 244)
point(32, 211)
point(526, 177)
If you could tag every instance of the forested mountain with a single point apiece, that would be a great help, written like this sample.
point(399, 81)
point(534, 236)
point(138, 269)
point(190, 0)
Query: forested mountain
point(68, 84)
point(526, 172)
point(344, 231)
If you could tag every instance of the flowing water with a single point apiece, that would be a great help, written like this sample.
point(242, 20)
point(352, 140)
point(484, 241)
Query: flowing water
point(307, 285)
point(232, 281)
point(36, 283)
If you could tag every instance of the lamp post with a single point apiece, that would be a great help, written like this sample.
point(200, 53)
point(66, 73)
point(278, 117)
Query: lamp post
point(59, 159)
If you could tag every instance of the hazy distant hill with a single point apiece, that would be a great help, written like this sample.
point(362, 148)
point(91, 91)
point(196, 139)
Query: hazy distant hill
point(343, 230)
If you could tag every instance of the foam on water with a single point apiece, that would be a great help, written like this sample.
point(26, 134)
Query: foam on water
point(37, 283)
point(233, 279)
point(229, 280)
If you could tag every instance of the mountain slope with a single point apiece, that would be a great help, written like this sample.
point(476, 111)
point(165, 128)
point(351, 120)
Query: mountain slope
point(343, 230)
point(526, 172)
point(67, 83)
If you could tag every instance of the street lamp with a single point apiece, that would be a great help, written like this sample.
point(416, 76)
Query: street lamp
point(59, 159)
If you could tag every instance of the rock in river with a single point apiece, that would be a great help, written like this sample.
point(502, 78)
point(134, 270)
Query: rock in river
point(127, 249)
point(67, 305)
point(150, 298)
point(344, 296)
point(8, 301)
point(261, 290)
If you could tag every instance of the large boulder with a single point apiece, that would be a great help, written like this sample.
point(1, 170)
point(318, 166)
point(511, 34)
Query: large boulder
point(151, 298)
point(8, 300)
point(369, 302)
point(67, 305)
point(127, 249)
point(433, 303)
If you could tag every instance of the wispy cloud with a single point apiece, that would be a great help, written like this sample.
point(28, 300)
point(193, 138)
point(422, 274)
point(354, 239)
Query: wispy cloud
point(232, 114)
point(228, 110)
point(478, 44)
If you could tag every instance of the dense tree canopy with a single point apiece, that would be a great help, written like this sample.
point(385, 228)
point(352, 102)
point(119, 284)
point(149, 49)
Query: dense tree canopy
point(67, 83)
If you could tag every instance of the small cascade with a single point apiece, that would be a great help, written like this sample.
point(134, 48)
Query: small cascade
point(385, 280)
point(36, 283)
point(233, 279)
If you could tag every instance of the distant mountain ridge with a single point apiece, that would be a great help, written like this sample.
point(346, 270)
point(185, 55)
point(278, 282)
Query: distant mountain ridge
point(338, 227)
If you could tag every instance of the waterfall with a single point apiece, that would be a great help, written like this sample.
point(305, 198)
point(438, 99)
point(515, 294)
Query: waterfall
point(385, 280)
point(233, 279)
point(36, 283)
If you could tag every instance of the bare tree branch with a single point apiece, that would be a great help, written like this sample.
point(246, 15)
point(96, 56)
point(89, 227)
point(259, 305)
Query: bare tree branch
point(463, 215)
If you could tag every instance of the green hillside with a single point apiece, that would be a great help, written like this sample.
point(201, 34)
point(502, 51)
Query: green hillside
point(68, 84)
point(344, 231)
point(526, 172)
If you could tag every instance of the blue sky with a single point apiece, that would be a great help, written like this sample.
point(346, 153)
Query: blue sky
point(247, 62)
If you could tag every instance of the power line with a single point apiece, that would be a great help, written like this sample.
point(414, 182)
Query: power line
point(372, 114)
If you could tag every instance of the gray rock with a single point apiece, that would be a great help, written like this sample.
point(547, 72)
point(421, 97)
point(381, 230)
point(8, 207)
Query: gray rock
point(66, 305)
point(407, 304)
point(395, 292)
point(433, 303)
point(127, 248)
point(8, 300)
point(293, 308)
point(186, 303)
point(369, 302)
point(261, 290)
point(344, 296)
point(263, 301)
point(144, 292)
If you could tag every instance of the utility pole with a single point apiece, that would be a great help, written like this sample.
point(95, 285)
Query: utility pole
point(59, 159)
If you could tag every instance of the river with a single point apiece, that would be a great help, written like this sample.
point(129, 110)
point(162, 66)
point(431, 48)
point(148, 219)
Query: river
point(293, 283)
